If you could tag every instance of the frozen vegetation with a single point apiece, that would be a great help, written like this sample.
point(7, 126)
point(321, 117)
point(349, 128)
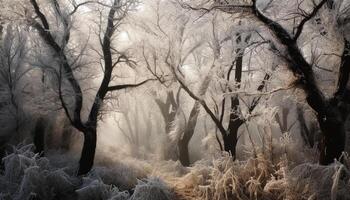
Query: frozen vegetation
point(26, 175)
point(174, 99)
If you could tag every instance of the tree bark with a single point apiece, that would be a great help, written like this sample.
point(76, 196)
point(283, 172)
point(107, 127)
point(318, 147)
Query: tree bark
point(66, 135)
point(191, 124)
point(168, 110)
point(231, 137)
point(39, 135)
point(333, 140)
point(88, 153)
point(184, 155)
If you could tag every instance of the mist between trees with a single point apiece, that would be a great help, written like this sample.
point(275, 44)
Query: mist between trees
point(217, 99)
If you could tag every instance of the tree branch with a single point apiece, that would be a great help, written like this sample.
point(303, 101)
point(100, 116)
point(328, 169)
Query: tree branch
point(40, 15)
point(44, 32)
point(307, 18)
point(76, 6)
point(296, 63)
point(126, 86)
point(260, 88)
point(195, 97)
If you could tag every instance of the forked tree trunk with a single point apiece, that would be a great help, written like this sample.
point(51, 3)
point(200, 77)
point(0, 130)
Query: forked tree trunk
point(191, 125)
point(88, 153)
point(168, 110)
point(184, 155)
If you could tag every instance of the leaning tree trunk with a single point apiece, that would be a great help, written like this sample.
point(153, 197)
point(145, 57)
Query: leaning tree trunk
point(88, 153)
point(191, 125)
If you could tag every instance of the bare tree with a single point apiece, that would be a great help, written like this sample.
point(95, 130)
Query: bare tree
point(331, 112)
point(171, 108)
point(168, 109)
point(179, 52)
point(117, 12)
point(13, 52)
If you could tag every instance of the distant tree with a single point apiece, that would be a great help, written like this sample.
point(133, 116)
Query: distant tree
point(135, 123)
point(182, 51)
point(236, 119)
point(171, 109)
point(13, 52)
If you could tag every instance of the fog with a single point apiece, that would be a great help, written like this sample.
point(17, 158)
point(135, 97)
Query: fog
point(174, 99)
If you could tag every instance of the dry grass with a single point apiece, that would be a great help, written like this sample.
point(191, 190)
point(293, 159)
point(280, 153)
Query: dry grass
point(290, 174)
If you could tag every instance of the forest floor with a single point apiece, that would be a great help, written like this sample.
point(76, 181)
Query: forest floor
point(26, 175)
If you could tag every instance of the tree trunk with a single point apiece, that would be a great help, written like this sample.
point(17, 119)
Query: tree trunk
point(333, 137)
point(347, 135)
point(235, 122)
point(184, 155)
point(191, 125)
point(168, 110)
point(66, 135)
point(88, 153)
point(333, 124)
point(1, 30)
point(231, 137)
point(39, 135)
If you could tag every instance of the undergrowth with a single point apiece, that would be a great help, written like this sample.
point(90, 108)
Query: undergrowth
point(260, 178)
point(26, 175)
point(273, 172)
